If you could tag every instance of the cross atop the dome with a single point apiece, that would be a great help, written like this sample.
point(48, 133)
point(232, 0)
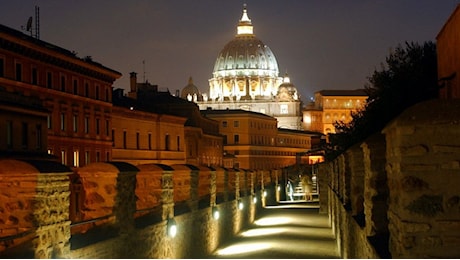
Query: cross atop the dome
point(245, 25)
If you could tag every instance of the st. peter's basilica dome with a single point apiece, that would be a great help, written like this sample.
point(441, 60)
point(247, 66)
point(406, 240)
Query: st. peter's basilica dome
point(245, 67)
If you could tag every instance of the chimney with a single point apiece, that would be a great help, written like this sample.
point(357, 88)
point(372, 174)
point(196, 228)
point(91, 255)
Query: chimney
point(133, 81)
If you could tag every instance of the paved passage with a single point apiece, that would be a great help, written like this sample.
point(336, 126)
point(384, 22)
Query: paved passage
point(284, 231)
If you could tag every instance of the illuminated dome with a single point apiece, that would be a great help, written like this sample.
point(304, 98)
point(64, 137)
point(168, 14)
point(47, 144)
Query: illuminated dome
point(191, 92)
point(287, 91)
point(245, 67)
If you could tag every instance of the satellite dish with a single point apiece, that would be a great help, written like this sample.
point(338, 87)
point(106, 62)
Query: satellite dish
point(29, 24)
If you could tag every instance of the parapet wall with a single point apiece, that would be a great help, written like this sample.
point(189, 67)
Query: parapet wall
point(117, 210)
point(396, 194)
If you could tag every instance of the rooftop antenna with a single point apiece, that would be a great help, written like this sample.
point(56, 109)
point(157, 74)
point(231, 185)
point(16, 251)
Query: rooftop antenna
point(143, 71)
point(37, 22)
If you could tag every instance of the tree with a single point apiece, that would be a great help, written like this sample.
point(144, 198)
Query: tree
point(409, 77)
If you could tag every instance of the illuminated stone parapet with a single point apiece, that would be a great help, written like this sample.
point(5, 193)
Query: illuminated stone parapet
point(18, 183)
point(375, 186)
point(34, 206)
point(51, 213)
point(423, 151)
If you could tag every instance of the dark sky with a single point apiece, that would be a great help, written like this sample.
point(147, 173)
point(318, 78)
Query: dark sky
point(321, 44)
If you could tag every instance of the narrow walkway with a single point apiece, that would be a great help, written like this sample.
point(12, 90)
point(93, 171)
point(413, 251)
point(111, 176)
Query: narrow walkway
point(290, 230)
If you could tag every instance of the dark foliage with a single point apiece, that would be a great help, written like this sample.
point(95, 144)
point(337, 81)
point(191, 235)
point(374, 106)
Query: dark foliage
point(408, 77)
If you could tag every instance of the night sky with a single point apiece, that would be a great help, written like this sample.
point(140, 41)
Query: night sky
point(321, 44)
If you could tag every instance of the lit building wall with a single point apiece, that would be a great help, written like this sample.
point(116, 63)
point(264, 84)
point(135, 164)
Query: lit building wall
point(448, 55)
point(142, 137)
point(202, 142)
point(256, 142)
point(331, 106)
point(77, 91)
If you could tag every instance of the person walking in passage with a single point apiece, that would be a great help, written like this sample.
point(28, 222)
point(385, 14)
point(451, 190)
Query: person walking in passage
point(307, 187)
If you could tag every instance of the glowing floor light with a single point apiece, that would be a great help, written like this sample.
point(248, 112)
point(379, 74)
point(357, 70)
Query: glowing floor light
point(240, 205)
point(243, 248)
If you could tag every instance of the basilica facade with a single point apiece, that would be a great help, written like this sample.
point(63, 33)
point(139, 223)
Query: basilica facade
point(246, 77)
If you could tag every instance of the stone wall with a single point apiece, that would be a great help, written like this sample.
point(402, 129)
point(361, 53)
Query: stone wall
point(125, 210)
point(423, 166)
point(396, 194)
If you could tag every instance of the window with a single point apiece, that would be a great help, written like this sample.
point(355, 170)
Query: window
point(39, 143)
point(97, 92)
point(9, 134)
point(113, 137)
point(150, 141)
point(224, 141)
point(34, 77)
point(63, 83)
point(18, 71)
point(178, 143)
point(2, 67)
point(107, 127)
point(63, 157)
point(167, 142)
point(49, 80)
point(98, 126)
point(75, 123)
point(86, 90)
point(98, 156)
point(138, 140)
point(49, 122)
point(86, 124)
point(236, 123)
point(76, 158)
point(75, 87)
point(107, 94)
point(224, 123)
point(124, 139)
point(283, 109)
point(236, 139)
point(87, 157)
point(63, 121)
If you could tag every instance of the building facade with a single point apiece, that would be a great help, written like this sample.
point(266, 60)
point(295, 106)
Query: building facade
point(330, 106)
point(246, 77)
point(448, 55)
point(76, 91)
point(186, 131)
point(141, 136)
point(256, 142)
point(22, 127)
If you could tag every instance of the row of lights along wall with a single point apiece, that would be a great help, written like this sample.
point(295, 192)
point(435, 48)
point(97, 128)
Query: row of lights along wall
point(172, 226)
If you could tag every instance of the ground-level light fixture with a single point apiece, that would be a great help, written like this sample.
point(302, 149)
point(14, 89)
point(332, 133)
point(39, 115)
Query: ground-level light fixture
point(215, 213)
point(254, 200)
point(265, 193)
point(172, 227)
point(240, 204)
